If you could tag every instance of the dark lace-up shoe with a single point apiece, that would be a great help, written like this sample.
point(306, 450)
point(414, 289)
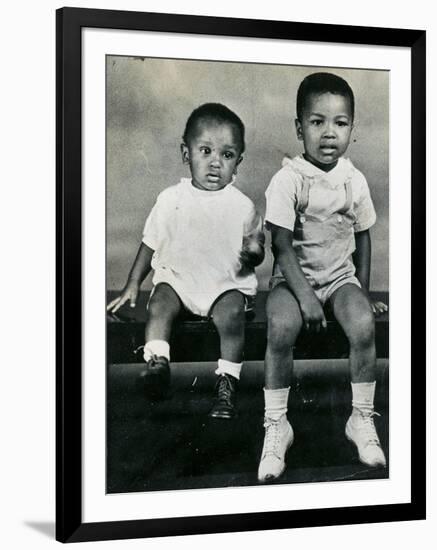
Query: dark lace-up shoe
point(224, 402)
point(156, 378)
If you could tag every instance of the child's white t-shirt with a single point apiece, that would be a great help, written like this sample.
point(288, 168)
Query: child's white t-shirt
point(197, 238)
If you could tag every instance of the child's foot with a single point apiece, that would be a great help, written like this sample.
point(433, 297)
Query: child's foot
point(224, 402)
point(156, 377)
point(278, 439)
point(360, 429)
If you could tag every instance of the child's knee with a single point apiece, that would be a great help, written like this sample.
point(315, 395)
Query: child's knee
point(156, 307)
point(362, 330)
point(162, 305)
point(282, 331)
point(230, 311)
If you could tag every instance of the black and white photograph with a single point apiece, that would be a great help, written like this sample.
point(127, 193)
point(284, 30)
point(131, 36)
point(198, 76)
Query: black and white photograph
point(247, 250)
point(240, 279)
point(218, 275)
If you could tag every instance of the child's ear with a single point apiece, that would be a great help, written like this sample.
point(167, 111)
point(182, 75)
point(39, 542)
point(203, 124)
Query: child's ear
point(185, 153)
point(299, 131)
point(238, 162)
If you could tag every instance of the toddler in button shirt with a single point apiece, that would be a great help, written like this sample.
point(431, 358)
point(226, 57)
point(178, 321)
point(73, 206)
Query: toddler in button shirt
point(319, 212)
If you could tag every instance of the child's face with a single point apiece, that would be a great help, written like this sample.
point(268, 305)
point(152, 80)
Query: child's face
point(325, 129)
point(213, 153)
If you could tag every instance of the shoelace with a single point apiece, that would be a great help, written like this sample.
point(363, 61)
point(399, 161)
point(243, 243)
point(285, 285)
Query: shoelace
point(224, 390)
point(154, 359)
point(369, 429)
point(272, 437)
point(155, 363)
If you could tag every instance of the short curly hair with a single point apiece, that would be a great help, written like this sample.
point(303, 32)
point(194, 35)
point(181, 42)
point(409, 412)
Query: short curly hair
point(319, 83)
point(215, 112)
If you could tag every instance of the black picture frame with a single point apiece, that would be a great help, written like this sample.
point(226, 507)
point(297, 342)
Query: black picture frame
point(69, 524)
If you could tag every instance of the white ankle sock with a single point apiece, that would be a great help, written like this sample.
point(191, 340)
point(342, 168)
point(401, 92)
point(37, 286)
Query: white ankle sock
point(228, 367)
point(276, 402)
point(160, 348)
point(363, 395)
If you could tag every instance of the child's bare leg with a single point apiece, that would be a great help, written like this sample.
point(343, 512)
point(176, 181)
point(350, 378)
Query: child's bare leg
point(284, 322)
point(229, 319)
point(163, 308)
point(353, 311)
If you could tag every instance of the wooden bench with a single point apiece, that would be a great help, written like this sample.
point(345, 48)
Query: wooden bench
point(197, 340)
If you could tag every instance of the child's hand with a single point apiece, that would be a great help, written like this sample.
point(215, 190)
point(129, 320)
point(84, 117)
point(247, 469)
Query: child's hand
point(130, 292)
point(378, 308)
point(252, 251)
point(312, 314)
point(252, 248)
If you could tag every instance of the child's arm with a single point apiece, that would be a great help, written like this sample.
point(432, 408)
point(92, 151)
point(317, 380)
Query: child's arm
point(139, 271)
point(252, 251)
point(310, 306)
point(361, 258)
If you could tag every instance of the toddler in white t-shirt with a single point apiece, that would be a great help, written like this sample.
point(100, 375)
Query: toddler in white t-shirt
point(203, 239)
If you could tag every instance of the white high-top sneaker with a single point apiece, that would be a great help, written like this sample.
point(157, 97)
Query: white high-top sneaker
point(360, 429)
point(278, 439)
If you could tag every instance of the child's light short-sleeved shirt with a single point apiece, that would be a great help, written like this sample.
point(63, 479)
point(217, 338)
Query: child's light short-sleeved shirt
point(197, 237)
point(327, 193)
point(324, 210)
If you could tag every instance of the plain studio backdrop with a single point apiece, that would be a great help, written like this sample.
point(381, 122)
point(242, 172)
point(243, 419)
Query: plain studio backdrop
point(148, 103)
point(28, 261)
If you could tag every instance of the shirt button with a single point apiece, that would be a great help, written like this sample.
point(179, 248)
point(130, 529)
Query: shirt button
point(339, 218)
point(302, 219)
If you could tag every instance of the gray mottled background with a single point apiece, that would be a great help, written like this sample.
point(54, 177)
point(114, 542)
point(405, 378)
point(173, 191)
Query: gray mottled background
point(148, 103)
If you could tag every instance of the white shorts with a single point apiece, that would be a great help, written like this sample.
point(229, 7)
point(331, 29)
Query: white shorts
point(201, 304)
